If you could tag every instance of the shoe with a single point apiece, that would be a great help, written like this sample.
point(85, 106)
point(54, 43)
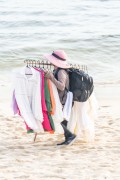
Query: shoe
point(68, 141)
point(62, 143)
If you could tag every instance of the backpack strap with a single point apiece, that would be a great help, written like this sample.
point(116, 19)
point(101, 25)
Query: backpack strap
point(55, 73)
point(56, 76)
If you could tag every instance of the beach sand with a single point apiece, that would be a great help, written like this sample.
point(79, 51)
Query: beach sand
point(22, 159)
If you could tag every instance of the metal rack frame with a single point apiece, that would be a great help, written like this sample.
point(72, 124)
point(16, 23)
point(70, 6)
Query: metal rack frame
point(46, 65)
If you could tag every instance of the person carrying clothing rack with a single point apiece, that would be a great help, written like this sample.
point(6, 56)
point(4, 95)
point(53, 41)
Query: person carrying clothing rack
point(61, 79)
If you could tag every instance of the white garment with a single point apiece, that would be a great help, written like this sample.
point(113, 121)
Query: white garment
point(28, 97)
point(81, 122)
point(58, 114)
point(68, 106)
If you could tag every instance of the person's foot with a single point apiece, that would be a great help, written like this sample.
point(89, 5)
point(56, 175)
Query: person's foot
point(68, 141)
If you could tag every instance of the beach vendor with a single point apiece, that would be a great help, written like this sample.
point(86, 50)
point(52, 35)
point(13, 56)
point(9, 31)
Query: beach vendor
point(59, 60)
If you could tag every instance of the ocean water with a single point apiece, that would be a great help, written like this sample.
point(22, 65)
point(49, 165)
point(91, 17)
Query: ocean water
point(88, 31)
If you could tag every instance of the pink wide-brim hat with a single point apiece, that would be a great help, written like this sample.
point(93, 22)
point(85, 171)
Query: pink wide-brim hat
point(58, 58)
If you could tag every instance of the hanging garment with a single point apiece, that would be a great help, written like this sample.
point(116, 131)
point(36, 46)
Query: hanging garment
point(28, 128)
point(16, 110)
point(28, 97)
point(14, 104)
point(68, 106)
point(48, 103)
point(46, 122)
point(51, 98)
point(81, 123)
point(58, 113)
point(92, 107)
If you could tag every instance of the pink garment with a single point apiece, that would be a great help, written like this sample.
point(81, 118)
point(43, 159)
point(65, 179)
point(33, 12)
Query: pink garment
point(46, 121)
point(27, 127)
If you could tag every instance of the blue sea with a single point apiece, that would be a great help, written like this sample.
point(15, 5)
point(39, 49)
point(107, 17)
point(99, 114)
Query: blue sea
point(88, 31)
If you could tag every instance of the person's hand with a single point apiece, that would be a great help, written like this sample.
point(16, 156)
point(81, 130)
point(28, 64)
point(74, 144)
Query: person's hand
point(46, 71)
point(48, 74)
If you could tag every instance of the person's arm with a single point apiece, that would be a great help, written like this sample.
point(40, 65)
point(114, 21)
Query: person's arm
point(60, 83)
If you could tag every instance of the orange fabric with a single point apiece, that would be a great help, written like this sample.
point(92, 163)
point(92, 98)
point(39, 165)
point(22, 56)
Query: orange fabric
point(51, 97)
point(51, 132)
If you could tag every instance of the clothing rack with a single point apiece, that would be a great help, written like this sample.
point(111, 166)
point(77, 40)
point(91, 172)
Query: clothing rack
point(44, 64)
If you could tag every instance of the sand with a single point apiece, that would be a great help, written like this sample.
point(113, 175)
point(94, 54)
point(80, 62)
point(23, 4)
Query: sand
point(22, 159)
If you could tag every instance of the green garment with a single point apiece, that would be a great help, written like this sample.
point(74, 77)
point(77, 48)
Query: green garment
point(48, 103)
point(30, 131)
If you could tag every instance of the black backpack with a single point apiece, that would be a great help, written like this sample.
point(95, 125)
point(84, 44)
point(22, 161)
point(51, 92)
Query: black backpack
point(80, 84)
